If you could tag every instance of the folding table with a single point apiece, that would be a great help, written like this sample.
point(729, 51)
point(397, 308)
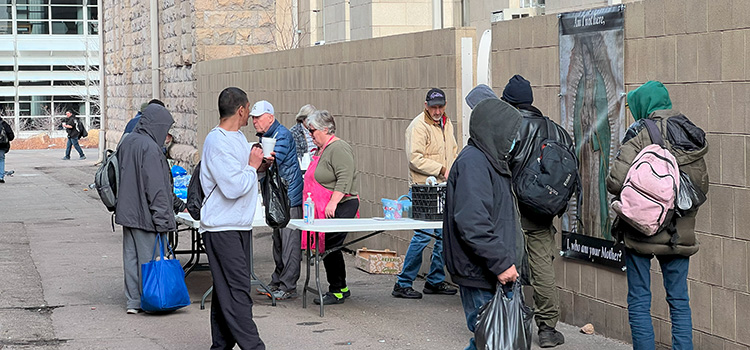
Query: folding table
point(197, 248)
point(373, 225)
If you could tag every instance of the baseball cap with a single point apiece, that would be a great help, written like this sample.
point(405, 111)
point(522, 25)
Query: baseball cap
point(260, 108)
point(435, 97)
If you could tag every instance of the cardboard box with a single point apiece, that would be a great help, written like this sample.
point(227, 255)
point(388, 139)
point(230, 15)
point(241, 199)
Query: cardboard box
point(384, 262)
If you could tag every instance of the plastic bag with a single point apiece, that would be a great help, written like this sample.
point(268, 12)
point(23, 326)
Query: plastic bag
point(504, 323)
point(405, 206)
point(391, 209)
point(275, 199)
point(689, 197)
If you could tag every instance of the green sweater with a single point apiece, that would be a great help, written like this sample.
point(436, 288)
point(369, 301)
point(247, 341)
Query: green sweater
point(337, 169)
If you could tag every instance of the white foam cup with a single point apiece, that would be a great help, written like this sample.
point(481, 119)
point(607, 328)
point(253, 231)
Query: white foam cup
point(268, 144)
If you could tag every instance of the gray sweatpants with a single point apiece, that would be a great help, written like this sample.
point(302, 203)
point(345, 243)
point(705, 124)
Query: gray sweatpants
point(137, 249)
point(287, 254)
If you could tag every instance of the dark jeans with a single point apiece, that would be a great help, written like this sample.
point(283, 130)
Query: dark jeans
point(674, 270)
point(334, 262)
point(74, 143)
point(232, 322)
point(472, 299)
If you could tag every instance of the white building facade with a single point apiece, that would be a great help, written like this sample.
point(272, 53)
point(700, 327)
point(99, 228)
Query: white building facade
point(49, 62)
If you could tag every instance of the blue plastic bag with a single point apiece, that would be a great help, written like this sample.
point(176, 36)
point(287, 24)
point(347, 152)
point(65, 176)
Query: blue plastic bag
point(391, 209)
point(178, 170)
point(163, 282)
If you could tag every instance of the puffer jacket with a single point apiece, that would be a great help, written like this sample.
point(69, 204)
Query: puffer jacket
point(145, 196)
point(481, 233)
point(532, 133)
point(430, 148)
point(286, 158)
point(8, 132)
point(688, 144)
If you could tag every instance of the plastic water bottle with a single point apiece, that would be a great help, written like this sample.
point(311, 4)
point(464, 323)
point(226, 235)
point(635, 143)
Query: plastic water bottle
point(309, 210)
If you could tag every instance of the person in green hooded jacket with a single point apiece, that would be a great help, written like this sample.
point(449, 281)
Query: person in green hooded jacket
point(687, 143)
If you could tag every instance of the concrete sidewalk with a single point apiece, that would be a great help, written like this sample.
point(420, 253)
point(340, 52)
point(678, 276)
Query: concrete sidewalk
point(61, 267)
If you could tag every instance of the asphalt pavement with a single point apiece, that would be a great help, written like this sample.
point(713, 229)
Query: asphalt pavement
point(62, 284)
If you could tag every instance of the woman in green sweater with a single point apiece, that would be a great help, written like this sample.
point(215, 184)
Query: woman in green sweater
point(331, 181)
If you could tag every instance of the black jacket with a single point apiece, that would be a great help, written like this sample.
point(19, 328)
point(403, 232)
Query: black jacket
point(8, 132)
point(532, 133)
point(145, 196)
point(73, 133)
point(481, 223)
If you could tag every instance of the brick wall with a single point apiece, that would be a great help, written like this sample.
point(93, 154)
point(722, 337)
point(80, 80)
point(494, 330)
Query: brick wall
point(698, 48)
point(374, 88)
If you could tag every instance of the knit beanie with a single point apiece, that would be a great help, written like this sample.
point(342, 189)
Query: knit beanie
point(518, 91)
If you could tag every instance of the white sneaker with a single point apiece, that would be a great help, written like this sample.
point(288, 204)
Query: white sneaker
point(133, 311)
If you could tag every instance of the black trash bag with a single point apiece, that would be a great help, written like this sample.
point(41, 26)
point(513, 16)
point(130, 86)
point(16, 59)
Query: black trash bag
point(275, 199)
point(689, 197)
point(504, 323)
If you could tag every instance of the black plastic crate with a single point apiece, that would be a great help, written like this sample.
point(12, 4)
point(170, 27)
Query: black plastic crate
point(427, 202)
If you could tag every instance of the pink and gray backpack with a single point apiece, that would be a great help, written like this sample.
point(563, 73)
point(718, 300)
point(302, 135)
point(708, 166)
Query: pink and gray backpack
point(647, 199)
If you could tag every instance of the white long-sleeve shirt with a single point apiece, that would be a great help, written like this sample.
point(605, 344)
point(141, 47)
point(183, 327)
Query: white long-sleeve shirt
point(231, 206)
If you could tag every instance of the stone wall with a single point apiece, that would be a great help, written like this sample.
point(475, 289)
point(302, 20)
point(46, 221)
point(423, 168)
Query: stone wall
point(189, 31)
point(374, 88)
point(698, 49)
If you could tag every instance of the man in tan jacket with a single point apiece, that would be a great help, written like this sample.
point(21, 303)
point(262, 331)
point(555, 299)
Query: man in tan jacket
point(430, 149)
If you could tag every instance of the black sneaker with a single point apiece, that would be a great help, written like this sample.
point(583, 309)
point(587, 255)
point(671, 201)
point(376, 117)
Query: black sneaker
point(441, 288)
point(550, 337)
point(329, 299)
point(2, 181)
point(405, 292)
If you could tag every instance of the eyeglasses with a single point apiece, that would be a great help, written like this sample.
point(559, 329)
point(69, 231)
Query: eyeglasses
point(311, 130)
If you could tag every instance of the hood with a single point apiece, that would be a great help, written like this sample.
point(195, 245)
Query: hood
point(493, 126)
point(479, 93)
point(155, 122)
point(647, 98)
point(688, 141)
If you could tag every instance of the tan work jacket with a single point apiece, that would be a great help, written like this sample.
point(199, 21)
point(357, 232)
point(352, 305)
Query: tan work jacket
point(430, 148)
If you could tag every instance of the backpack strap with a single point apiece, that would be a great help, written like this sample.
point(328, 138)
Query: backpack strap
point(654, 132)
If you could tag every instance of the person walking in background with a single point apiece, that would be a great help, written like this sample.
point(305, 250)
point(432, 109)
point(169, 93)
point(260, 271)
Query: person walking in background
point(302, 137)
point(481, 220)
point(6, 136)
point(145, 198)
point(687, 143)
point(70, 123)
point(332, 182)
point(230, 181)
point(287, 252)
point(430, 150)
point(538, 229)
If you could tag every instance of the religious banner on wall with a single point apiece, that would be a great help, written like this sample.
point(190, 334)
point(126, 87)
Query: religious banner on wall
point(593, 111)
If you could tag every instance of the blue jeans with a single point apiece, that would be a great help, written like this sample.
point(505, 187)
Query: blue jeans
point(2, 164)
point(72, 141)
point(675, 270)
point(472, 299)
point(413, 259)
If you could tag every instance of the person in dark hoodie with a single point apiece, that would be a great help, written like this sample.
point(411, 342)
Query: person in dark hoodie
point(481, 223)
point(4, 146)
point(145, 201)
point(538, 230)
point(688, 144)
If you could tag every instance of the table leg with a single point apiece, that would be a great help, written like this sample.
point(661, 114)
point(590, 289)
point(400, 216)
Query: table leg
point(205, 295)
point(307, 274)
point(317, 279)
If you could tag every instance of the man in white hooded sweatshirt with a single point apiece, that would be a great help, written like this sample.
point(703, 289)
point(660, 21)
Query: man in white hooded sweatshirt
point(230, 181)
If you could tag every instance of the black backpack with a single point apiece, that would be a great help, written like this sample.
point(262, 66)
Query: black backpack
point(195, 196)
point(547, 183)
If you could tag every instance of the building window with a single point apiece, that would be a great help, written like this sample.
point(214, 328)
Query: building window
point(57, 17)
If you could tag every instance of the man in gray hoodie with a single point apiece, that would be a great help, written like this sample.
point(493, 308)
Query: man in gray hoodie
point(145, 197)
